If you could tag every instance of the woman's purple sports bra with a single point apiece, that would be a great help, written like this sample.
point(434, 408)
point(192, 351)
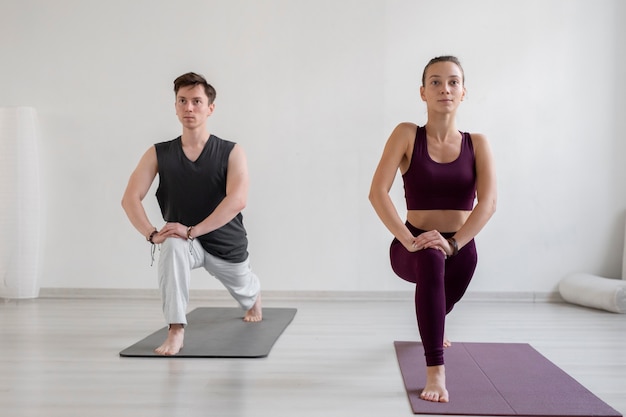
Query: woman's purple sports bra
point(430, 185)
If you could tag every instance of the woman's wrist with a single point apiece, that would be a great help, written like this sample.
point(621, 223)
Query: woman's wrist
point(454, 246)
point(408, 242)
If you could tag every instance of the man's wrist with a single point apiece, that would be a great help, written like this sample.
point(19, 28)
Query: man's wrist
point(151, 235)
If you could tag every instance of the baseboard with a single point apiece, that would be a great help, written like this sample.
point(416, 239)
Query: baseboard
point(136, 293)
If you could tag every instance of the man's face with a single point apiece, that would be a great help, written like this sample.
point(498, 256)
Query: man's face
point(192, 106)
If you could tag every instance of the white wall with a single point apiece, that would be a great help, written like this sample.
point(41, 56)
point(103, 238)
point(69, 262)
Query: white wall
point(312, 89)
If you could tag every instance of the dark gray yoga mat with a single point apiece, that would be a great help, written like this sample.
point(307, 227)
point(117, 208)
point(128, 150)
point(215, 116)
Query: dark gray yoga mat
point(213, 332)
point(498, 379)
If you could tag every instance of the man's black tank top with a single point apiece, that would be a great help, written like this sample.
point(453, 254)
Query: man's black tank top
point(189, 191)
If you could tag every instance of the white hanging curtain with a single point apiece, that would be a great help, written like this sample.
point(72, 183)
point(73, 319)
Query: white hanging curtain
point(20, 203)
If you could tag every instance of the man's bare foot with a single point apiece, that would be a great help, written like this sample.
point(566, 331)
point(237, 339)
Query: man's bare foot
point(174, 342)
point(255, 314)
point(435, 389)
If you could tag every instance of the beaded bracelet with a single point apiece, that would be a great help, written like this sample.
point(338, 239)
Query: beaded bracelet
point(149, 238)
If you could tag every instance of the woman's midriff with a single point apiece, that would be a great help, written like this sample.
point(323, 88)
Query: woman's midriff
point(440, 220)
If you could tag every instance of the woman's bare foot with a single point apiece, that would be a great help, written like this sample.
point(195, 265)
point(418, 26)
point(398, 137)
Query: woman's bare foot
point(435, 389)
point(255, 314)
point(174, 342)
point(446, 342)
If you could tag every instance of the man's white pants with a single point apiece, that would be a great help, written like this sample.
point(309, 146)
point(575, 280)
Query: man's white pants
point(178, 257)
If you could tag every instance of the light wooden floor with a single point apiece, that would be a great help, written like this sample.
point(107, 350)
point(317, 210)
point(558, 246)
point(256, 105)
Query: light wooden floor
point(59, 357)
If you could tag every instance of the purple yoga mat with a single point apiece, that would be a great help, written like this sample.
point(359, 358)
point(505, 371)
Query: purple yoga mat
point(498, 379)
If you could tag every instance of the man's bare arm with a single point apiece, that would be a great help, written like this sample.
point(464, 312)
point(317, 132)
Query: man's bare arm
point(138, 185)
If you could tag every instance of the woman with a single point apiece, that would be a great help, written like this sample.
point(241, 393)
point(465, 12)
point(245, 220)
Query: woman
point(450, 189)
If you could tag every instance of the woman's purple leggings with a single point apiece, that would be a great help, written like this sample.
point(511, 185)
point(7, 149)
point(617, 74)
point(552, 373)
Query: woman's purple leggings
point(440, 283)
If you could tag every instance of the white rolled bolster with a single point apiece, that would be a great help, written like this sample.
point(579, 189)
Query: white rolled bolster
point(594, 291)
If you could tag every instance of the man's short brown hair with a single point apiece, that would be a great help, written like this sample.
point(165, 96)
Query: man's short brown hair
point(191, 79)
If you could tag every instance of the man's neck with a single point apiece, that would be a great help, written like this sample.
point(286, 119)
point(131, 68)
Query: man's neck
point(195, 137)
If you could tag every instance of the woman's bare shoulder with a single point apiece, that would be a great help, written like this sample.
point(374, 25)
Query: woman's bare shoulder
point(406, 127)
point(479, 140)
point(404, 131)
point(478, 137)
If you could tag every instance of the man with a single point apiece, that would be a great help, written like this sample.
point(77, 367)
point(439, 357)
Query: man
point(203, 187)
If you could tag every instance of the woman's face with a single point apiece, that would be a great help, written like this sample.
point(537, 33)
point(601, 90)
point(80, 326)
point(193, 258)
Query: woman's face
point(443, 88)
